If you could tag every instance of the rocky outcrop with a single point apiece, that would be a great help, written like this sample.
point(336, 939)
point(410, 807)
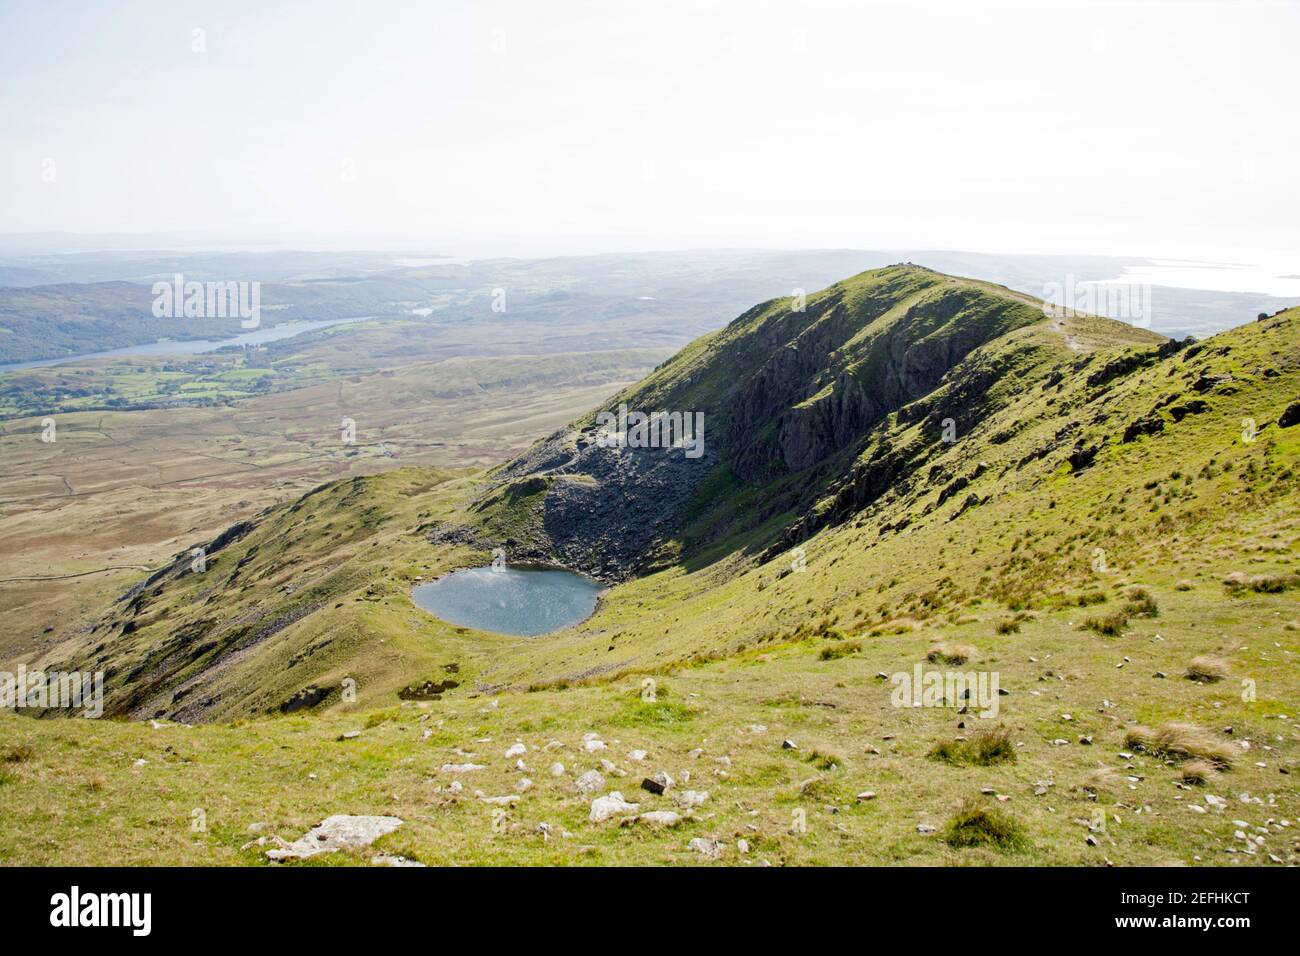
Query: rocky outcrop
point(610, 507)
point(1290, 416)
point(339, 832)
point(813, 431)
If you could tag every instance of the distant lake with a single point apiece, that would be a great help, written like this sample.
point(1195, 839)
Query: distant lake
point(520, 601)
point(271, 333)
point(1275, 279)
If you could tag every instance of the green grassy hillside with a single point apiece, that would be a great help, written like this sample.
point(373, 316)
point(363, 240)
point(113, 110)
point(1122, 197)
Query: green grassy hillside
point(1105, 520)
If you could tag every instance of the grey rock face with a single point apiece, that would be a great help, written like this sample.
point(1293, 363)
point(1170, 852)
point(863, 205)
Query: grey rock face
point(607, 508)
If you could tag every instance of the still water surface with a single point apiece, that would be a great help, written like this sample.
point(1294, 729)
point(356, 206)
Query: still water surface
point(520, 601)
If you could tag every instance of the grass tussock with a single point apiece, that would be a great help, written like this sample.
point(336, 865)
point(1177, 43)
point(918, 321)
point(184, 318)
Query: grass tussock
point(818, 789)
point(1238, 582)
point(379, 717)
point(984, 748)
point(1108, 625)
point(977, 825)
point(1085, 598)
point(658, 713)
point(20, 753)
point(1008, 625)
point(1103, 778)
point(1181, 741)
point(1207, 670)
point(946, 652)
point(825, 758)
point(1196, 773)
point(898, 625)
point(839, 649)
point(1140, 603)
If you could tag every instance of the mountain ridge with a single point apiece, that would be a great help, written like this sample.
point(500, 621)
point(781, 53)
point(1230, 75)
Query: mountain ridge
point(291, 604)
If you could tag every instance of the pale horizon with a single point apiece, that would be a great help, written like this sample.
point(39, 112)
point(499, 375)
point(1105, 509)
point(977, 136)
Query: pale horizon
point(1137, 129)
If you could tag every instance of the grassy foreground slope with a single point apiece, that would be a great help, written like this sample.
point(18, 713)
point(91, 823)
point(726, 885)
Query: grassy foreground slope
point(1113, 533)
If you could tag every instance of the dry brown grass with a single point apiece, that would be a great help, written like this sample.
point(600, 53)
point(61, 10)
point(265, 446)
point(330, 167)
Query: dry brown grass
point(897, 625)
point(1181, 741)
point(947, 652)
point(1206, 669)
point(839, 649)
point(1238, 581)
point(1103, 778)
point(1197, 773)
point(1110, 625)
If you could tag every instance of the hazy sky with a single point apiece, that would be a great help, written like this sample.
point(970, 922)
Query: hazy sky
point(1165, 128)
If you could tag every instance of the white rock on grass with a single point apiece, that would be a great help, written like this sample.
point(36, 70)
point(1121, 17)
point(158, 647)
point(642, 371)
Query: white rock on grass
point(516, 750)
point(557, 769)
point(387, 859)
point(339, 832)
point(592, 742)
point(661, 818)
point(590, 782)
point(636, 756)
point(611, 805)
point(709, 849)
point(691, 798)
point(462, 767)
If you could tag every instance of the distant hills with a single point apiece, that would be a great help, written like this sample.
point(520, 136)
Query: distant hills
point(62, 305)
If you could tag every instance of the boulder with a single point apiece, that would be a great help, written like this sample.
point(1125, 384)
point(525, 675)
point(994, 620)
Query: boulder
point(610, 805)
point(339, 832)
